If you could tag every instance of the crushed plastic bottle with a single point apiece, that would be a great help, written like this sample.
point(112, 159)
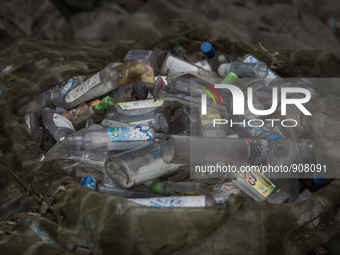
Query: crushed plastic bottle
point(97, 85)
point(244, 70)
point(130, 92)
point(138, 165)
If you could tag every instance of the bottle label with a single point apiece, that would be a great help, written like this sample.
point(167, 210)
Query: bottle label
point(225, 186)
point(66, 87)
point(204, 64)
point(256, 180)
point(252, 59)
point(140, 104)
point(61, 121)
point(82, 88)
point(137, 133)
point(208, 119)
point(148, 76)
point(175, 65)
point(191, 201)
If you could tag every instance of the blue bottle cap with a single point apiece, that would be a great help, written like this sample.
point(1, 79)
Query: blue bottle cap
point(208, 50)
point(273, 137)
point(318, 181)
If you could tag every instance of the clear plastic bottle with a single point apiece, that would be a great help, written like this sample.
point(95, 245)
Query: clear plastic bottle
point(138, 165)
point(58, 126)
point(156, 120)
point(112, 139)
point(185, 118)
point(174, 64)
point(141, 107)
point(148, 55)
point(184, 188)
point(211, 150)
point(244, 70)
point(180, 201)
point(130, 92)
point(94, 112)
point(51, 98)
point(116, 191)
point(258, 186)
point(97, 85)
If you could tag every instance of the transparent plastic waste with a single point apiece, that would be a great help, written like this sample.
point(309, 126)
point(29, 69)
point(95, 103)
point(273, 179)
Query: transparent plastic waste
point(141, 107)
point(138, 165)
point(183, 188)
point(258, 186)
point(222, 196)
point(156, 120)
point(95, 112)
point(181, 201)
point(130, 92)
point(116, 191)
point(51, 98)
point(57, 125)
point(244, 70)
point(197, 150)
point(148, 55)
point(97, 85)
point(112, 138)
point(174, 64)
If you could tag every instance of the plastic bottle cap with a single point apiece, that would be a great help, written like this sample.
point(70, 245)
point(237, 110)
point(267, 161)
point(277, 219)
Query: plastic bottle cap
point(273, 137)
point(221, 58)
point(208, 50)
point(95, 102)
point(232, 75)
point(156, 187)
point(106, 104)
point(318, 181)
point(223, 70)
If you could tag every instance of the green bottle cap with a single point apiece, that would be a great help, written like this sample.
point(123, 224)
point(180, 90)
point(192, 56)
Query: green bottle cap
point(103, 106)
point(156, 187)
point(230, 78)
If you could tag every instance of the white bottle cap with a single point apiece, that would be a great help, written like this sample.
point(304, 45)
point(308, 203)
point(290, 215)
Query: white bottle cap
point(223, 70)
point(221, 58)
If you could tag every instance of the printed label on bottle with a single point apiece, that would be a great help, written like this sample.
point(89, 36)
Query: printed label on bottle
point(138, 133)
point(192, 201)
point(12, 193)
point(252, 59)
point(225, 186)
point(82, 88)
point(61, 121)
point(66, 87)
point(204, 64)
point(208, 119)
point(140, 104)
point(256, 180)
point(174, 65)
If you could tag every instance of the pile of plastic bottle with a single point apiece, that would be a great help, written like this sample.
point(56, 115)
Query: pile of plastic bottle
point(137, 130)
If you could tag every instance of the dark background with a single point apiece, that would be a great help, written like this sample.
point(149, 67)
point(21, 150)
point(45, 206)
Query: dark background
point(277, 24)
